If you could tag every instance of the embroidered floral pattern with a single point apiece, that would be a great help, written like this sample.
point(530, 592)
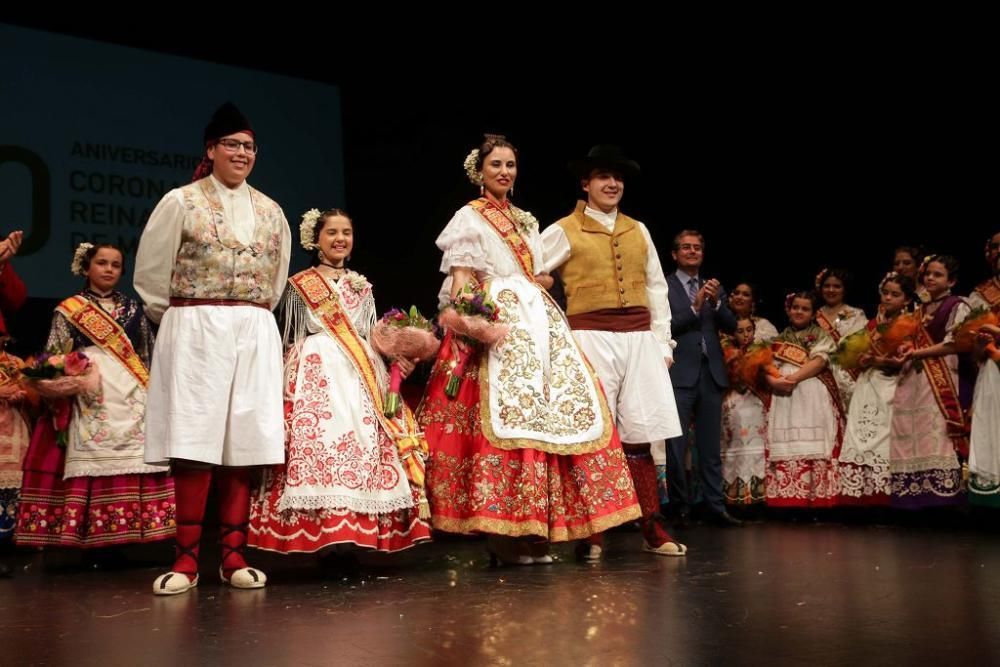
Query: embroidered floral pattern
point(865, 476)
point(927, 487)
point(863, 469)
point(98, 512)
point(500, 492)
point(313, 461)
point(305, 432)
point(308, 531)
point(212, 264)
point(983, 490)
point(92, 430)
point(102, 519)
point(744, 434)
point(560, 407)
point(801, 482)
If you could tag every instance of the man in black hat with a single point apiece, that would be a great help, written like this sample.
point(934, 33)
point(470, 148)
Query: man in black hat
point(616, 302)
point(211, 265)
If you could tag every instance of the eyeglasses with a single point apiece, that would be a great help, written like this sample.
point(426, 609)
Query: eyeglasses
point(689, 246)
point(232, 145)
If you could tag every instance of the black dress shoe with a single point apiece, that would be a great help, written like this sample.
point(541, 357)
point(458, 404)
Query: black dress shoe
point(724, 518)
point(5, 571)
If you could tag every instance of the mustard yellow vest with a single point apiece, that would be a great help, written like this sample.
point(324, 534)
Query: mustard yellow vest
point(605, 269)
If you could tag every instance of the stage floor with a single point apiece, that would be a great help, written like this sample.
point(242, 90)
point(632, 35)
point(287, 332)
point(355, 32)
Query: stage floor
point(775, 593)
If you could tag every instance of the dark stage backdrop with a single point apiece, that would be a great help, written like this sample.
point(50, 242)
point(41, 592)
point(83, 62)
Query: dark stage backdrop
point(786, 165)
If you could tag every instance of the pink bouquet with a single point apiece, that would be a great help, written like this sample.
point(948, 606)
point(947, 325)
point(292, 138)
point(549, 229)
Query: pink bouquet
point(407, 335)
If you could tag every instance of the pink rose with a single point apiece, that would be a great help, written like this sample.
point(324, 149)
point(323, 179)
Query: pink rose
point(76, 363)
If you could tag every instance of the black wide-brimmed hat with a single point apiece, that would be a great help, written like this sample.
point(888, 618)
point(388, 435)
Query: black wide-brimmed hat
point(605, 156)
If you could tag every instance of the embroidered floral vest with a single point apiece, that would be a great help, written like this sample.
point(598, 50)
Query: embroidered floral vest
point(212, 263)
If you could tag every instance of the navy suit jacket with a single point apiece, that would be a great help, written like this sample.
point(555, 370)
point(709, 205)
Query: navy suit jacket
point(687, 329)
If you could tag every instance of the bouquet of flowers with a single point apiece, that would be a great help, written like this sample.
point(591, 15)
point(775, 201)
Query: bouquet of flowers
point(980, 320)
point(758, 357)
point(11, 389)
point(900, 330)
point(474, 317)
point(407, 335)
point(59, 376)
point(851, 348)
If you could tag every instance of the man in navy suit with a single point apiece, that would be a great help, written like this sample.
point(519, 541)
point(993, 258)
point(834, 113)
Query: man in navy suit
point(698, 375)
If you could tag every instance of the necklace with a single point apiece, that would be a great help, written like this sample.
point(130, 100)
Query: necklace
point(337, 272)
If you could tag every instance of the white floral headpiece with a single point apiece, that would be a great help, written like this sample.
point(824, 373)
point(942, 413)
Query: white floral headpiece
point(819, 278)
point(307, 230)
point(81, 253)
point(475, 176)
point(892, 275)
point(789, 300)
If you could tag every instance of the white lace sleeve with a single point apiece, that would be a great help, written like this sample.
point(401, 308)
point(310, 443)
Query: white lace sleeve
point(823, 348)
point(976, 300)
point(764, 330)
point(462, 243)
point(534, 240)
point(60, 335)
point(955, 318)
point(856, 321)
point(555, 247)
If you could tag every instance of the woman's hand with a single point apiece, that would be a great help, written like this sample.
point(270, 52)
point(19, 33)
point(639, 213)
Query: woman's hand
point(405, 366)
point(782, 386)
point(10, 245)
point(545, 280)
point(459, 277)
point(990, 329)
point(889, 363)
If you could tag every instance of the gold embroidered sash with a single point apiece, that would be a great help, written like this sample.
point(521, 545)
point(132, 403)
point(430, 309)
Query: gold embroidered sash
point(104, 331)
point(325, 304)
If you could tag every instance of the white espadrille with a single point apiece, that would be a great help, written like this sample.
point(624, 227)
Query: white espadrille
point(666, 549)
point(173, 583)
point(245, 577)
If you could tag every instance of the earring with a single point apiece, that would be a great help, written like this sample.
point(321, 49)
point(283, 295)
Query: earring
point(482, 191)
